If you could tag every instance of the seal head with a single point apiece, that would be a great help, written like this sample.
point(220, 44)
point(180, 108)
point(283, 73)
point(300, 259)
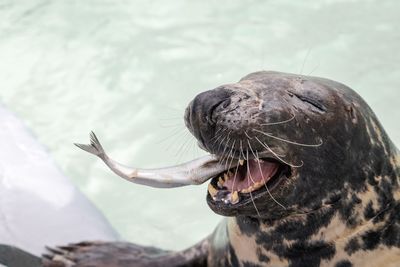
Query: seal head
point(306, 142)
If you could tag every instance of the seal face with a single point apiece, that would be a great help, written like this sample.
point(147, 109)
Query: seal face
point(294, 131)
point(312, 155)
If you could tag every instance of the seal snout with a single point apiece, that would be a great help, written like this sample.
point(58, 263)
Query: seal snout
point(200, 114)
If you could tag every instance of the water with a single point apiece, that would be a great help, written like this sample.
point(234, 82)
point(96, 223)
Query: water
point(127, 69)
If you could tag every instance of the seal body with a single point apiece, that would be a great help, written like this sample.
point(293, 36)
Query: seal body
point(342, 209)
point(322, 181)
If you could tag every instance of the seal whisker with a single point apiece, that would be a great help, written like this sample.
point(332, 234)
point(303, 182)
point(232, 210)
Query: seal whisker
point(279, 122)
point(170, 119)
point(304, 61)
point(186, 149)
point(223, 129)
point(265, 184)
point(262, 175)
point(237, 165)
point(277, 156)
point(287, 141)
point(251, 178)
point(217, 139)
point(316, 67)
point(280, 155)
point(223, 155)
point(222, 140)
point(248, 137)
point(180, 150)
point(178, 125)
point(175, 136)
point(230, 155)
point(236, 172)
point(220, 137)
point(218, 134)
point(242, 150)
point(183, 146)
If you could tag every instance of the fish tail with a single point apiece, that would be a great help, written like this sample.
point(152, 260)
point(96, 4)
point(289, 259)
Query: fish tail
point(94, 147)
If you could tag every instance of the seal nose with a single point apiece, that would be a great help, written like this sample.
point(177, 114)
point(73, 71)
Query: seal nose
point(200, 114)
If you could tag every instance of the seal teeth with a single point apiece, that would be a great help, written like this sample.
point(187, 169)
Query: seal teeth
point(220, 182)
point(234, 197)
point(252, 188)
point(212, 190)
point(225, 176)
point(241, 162)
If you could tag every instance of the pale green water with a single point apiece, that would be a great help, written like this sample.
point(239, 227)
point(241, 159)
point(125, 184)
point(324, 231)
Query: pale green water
point(127, 69)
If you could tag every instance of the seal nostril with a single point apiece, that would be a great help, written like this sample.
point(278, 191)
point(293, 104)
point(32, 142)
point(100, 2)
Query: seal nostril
point(222, 104)
point(226, 103)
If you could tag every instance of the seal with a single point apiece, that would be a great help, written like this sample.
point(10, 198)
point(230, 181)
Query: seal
point(300, 167)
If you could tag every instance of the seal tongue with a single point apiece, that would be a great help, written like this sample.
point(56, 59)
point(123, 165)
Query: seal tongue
point(191, 173)
point(251, 175)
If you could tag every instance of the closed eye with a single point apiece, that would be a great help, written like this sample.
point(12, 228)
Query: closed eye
point(311, 101)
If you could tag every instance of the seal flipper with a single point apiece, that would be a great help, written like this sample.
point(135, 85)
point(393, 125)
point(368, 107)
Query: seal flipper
point(14, 257)
point(118, 254)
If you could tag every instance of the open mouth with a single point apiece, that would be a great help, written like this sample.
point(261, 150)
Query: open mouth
point(248, 177)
